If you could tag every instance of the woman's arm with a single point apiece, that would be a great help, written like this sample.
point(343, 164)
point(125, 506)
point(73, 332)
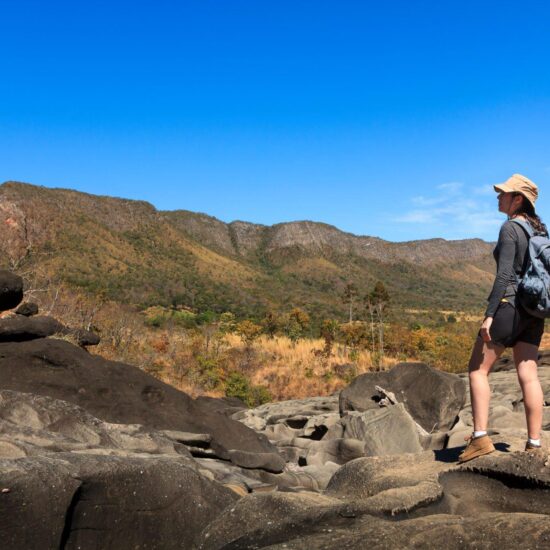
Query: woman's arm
point(507, 241)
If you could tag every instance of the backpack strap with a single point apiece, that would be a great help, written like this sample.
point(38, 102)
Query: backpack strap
point(526, 226)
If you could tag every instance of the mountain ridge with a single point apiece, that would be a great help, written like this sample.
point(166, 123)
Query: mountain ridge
point(115, 245)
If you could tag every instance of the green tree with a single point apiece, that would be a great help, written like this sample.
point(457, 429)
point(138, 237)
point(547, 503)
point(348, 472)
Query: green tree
point(297, 322)
point(354, 335)
point(271, 323)
point(238, 385)
point(248, 332)
point(226, 322)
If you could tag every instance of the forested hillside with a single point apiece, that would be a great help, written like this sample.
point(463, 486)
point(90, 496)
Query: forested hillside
point(130, 252)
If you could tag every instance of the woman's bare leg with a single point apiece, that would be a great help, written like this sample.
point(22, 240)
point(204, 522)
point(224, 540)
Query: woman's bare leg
point(525, 358)
point(482, 360)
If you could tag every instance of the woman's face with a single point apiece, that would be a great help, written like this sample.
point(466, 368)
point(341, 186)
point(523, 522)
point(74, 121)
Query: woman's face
point(508, 203)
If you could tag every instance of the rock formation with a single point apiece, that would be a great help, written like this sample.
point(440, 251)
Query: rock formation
point(98, 454)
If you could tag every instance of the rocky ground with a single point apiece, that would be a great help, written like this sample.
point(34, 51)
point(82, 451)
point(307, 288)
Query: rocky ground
point(98, 454)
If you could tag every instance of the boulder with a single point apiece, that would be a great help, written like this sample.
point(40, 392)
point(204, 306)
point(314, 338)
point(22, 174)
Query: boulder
point(21, 328)
point(506, 363)
point(80, 482)
point(385, 431)
point(86, 338)
point(119, 393)
point(432, 503)
point(38, 493)
point(433, 398)
point(95, 501)
point(27, 309)
point(258, 520)
point(517, 469)
point(380, 475)
point(323, 426)
point(11, 290)
point(127, 502)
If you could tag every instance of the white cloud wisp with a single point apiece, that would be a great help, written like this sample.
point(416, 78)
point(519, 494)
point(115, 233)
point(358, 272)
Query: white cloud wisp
point(455, 212)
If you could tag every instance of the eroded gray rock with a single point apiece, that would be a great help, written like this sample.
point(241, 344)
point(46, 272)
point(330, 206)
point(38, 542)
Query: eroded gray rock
point(385, 431)
point(80, 482)
point(433, 398)
point(96, 501)
point(119, 393)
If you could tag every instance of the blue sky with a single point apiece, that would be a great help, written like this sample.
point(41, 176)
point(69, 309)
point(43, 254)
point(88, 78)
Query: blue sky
point(389, 119)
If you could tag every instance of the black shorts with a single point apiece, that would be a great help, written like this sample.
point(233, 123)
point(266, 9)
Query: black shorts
point(512, 324)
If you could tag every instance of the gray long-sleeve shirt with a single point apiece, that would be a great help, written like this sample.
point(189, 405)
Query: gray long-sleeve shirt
point(509, 254)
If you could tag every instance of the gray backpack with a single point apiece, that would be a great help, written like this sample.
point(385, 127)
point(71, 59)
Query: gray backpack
point(534, 286)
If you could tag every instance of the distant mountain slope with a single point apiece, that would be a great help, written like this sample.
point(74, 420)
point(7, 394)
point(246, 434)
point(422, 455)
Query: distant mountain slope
point(134, 253)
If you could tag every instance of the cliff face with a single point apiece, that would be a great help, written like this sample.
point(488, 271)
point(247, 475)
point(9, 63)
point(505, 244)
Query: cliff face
point(319, 239)
point(136, 253)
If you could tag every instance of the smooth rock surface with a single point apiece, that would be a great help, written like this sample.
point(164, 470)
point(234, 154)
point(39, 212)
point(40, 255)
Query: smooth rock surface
point(118, 393)
point(386, 431)
point(433, 398)
point(21, 328)
point(94, 501)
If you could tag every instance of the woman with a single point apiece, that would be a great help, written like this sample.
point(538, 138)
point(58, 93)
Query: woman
point(506, 323)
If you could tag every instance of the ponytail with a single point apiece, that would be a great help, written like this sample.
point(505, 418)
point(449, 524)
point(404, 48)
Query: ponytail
point(528, 211)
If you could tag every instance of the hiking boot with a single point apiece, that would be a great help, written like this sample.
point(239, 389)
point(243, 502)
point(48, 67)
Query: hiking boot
point(476, 446)
point(530, 448)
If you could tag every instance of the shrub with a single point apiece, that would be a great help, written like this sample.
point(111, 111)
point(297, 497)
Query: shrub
point(248, 332)
point(210, 373)
point(295, 324)
point(238, 385)
point(271, 323)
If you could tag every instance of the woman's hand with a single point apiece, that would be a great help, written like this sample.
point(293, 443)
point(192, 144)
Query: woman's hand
point(485, 327)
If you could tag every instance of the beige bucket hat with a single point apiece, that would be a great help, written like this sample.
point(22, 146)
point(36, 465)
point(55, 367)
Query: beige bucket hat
point(519, 184)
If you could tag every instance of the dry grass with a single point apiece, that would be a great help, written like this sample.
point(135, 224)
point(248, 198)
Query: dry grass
point(200, 361)
point(294, 371)
point(288, 370)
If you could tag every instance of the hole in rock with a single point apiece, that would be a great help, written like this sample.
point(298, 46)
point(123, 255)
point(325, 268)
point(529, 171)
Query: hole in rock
point(302, 461)
point(203, 453)
point(317, 434)
point(296, 423)
point(195, 444)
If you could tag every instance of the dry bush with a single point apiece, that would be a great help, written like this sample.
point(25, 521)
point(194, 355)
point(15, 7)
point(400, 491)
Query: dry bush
point(203, 360)
point(294, 370)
